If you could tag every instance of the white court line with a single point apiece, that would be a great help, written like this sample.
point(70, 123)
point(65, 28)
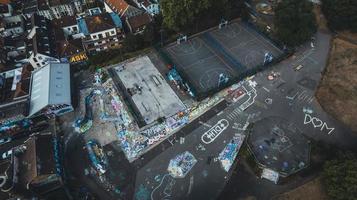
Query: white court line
point(260, 40)
point(183, 53)
point(220, 32)
point(200, 60)
point(313, 60)
point(210, 49)
point(243, 44)
point(266, 89)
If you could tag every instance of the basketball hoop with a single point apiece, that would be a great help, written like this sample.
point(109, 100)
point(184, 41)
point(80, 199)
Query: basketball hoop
point(222, 24)
point(181, 38)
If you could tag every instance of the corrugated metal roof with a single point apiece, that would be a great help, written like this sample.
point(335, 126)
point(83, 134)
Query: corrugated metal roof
point(50, 86)
point(60, 87)
point(39, 89)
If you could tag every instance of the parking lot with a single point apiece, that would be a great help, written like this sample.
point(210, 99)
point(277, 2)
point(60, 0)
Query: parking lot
point(210, 57)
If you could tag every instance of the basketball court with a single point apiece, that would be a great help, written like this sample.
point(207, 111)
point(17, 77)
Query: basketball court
point(245, 44)
point(220, 54)
point(200, 64)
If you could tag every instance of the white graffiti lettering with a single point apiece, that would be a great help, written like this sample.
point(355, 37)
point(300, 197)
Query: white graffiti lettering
point(215, 131)
point(317, 123)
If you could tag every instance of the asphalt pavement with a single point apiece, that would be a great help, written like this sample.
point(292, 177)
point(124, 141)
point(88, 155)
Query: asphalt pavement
point(290, 96)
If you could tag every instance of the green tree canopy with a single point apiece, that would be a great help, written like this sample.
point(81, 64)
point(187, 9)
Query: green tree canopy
point(341, 14)
point(179, 14)
point(340, 177)
point(294, 21)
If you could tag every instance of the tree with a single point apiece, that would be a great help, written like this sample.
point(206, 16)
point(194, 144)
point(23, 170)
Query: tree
point(340, 177)
point(133, 42)
point(149, 36)
point(183, 13)
point(341, 14)
point(294, 21)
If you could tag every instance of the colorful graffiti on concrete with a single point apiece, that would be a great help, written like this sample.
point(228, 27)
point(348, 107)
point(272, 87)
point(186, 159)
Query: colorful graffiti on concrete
point(230, 151)
point(15, 124)
point(181, 165)
point(97, 156)
point(83, 125)
point(142, 193)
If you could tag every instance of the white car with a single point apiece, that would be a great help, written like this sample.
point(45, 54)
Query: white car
point(15, 150)
point(5, 140)
point(6, 154)
point(297, 68)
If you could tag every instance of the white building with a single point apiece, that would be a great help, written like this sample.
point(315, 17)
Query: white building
point(150, 6)
point(5, 10)
point(101, 32)
point(40, 45)
point(68, 24)
point(13, 26)
point(51, 90)
point(53, 9)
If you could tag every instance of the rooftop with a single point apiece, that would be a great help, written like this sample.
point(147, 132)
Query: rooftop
point(58, 2)
point(35, 165)
point(149, 92)
point(139, 20)
point(64, 21)
point(50, 86)
point(67, 48)
point(29, 6)
point(4, 8)
point(98, 23)
point(14, 84)
point(119, 6)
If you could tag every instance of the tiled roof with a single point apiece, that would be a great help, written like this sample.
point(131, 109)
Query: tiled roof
point(99, 23)
point(64, 21)
point(67, 48)
point(139, 21)
point(118, 6)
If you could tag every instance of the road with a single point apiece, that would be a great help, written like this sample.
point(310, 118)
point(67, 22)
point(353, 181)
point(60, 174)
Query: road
point(289, 96)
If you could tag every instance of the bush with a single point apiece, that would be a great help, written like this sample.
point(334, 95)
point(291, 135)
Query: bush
point(341, 14)
point(294, 21)
point(340, 177)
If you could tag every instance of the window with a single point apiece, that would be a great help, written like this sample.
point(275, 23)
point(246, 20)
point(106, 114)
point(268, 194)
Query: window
point(94, 36)
point(34, 59)
point(75, 28)
point(107, 34)
point(112, 32)
point(100, 36)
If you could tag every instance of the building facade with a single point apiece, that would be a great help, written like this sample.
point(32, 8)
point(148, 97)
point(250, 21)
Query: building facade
point(101, 32)
point(53, 9)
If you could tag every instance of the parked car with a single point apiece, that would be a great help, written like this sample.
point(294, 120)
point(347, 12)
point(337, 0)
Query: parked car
point(297, 68)
point(5, 140)
point(15, 150)
point(6, 154)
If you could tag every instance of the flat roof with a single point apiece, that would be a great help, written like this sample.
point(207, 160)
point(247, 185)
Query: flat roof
point(149, 91)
